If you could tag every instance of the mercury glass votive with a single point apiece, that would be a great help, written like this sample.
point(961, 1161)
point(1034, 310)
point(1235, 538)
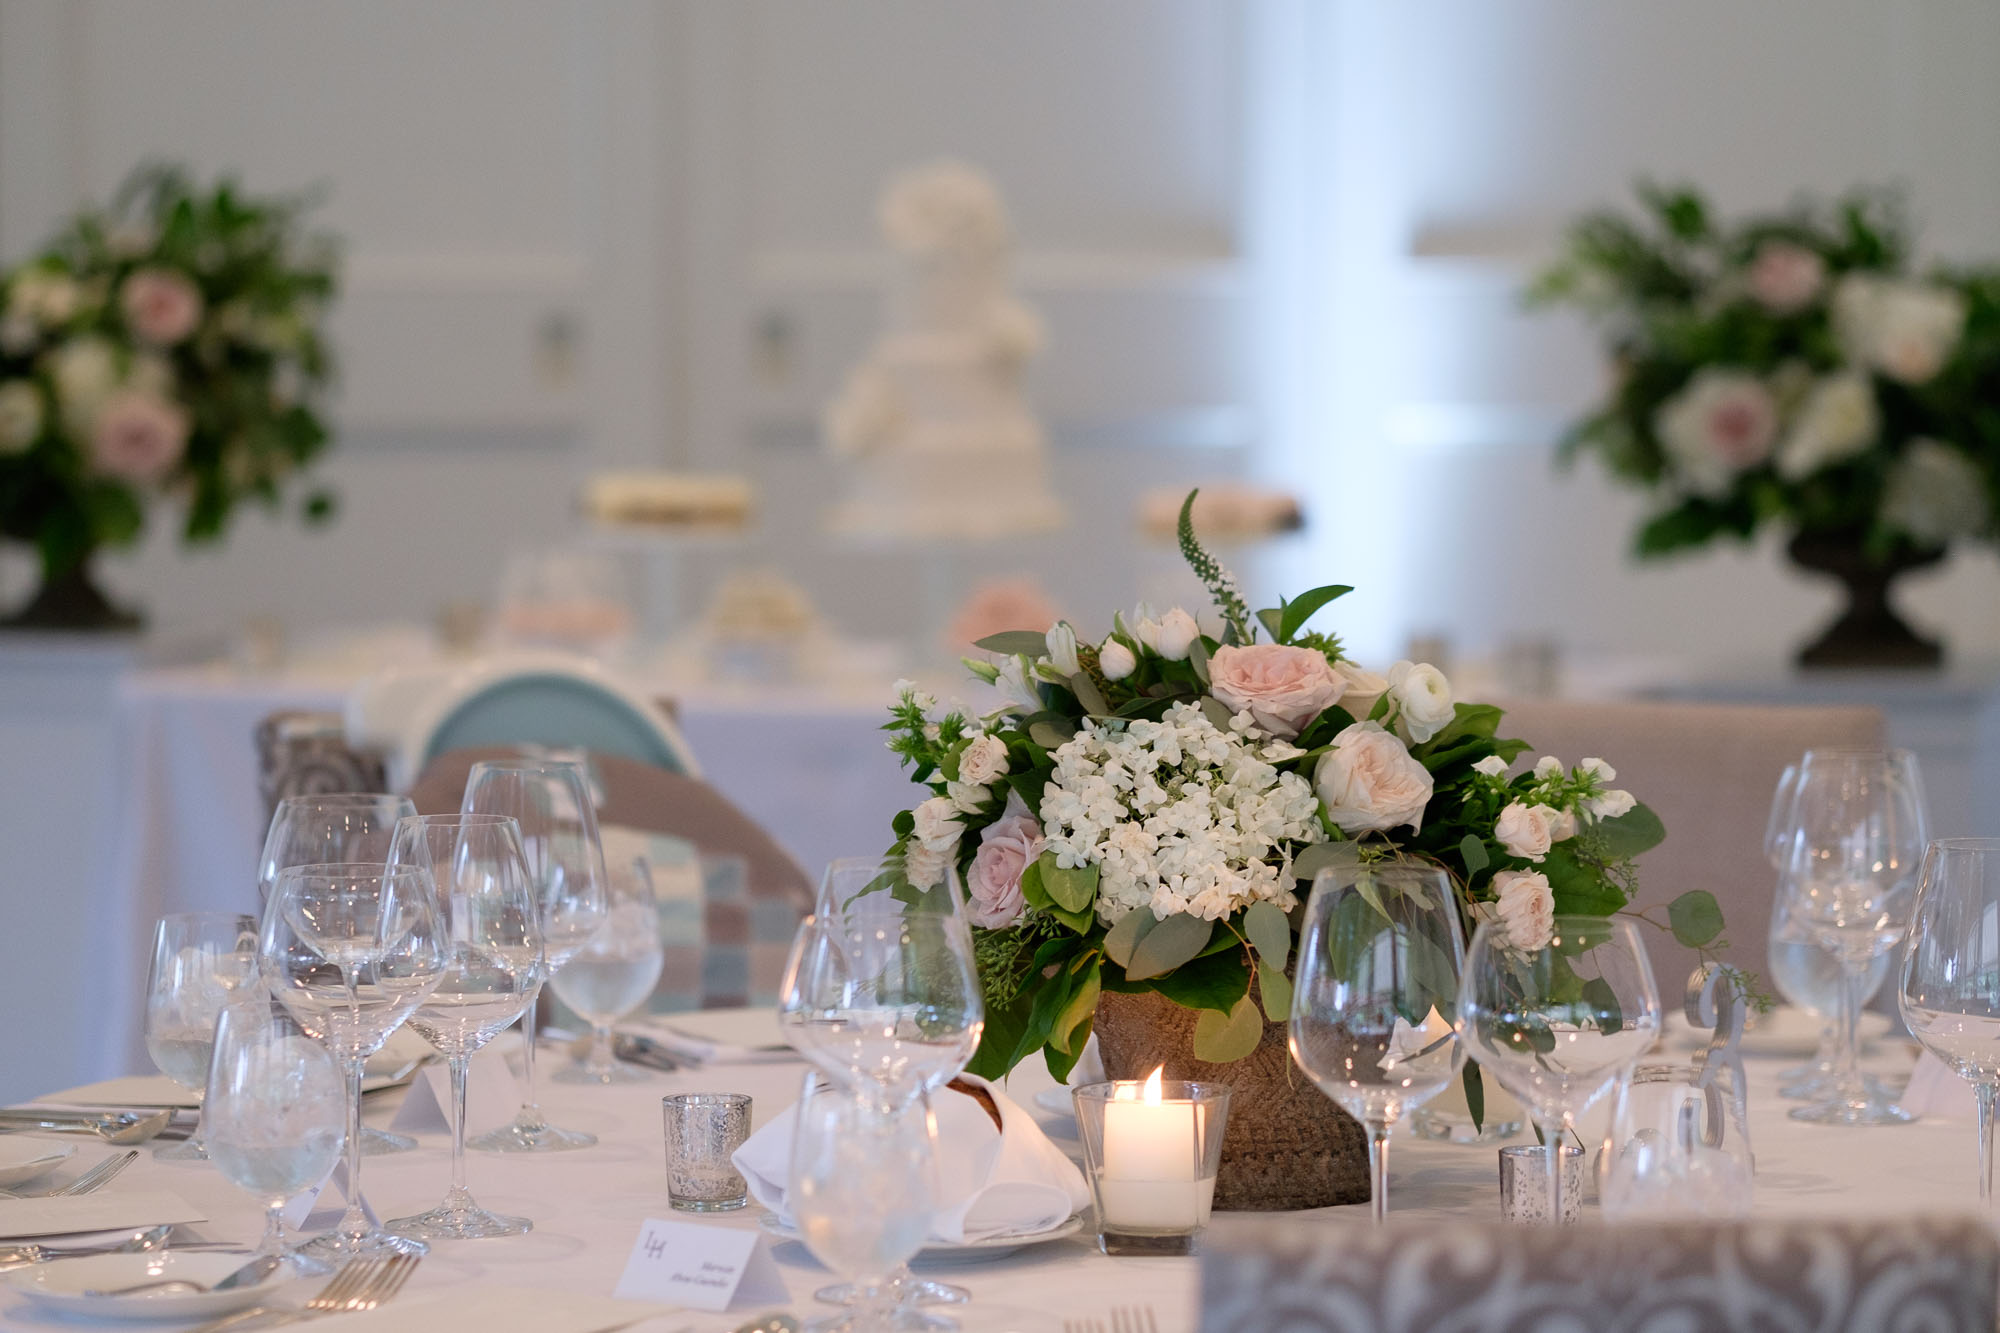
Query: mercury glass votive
point(1524, 1184)
point(704, 1129)
point(1151, 1150)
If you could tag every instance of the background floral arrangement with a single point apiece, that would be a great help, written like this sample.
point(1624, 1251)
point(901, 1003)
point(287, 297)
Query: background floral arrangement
point(1147, 812)
point(169, 345)
point(1790, 369)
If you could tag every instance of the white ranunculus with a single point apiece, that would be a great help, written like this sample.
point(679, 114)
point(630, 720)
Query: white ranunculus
point(1721, 424)
point(1370, 782)
point(1178, 632)
point(983, 760)
point(1493, 766)
point(1423, 699)
point(1611, 804)
point(1935, 494)
point(1548, 766)
point(1837, 420)
point(1526, 831)
point(1115, 660)
point(1906, 330)
point(924, 867)
point(1062, 648)
point(1526, 908)
point(20, 415)
point(1359, 688)
point(937, 823)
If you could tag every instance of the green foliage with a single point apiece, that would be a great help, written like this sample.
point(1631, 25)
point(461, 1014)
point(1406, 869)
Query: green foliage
point(1222, 1038)
point(1696, 918)
point(1219, 582)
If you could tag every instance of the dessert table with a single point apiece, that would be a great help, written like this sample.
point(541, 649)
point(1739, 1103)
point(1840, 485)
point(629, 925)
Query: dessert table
point(588, 1205)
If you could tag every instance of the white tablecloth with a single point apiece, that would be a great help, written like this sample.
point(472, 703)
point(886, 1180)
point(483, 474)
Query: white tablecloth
point(587, 1206)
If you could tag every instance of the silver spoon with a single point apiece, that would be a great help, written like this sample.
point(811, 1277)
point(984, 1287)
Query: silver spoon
point(118, 1127)
point(249, 1275)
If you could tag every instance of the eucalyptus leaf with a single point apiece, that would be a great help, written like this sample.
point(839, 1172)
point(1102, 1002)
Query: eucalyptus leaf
point(1276, 989)
point(1637, 830)
point(1215, 982)
point(1320, 856)
point(1472, 850)
point(1174, 941)
point(1052, 735)
point(1086, 692)
point(1216, 712)
point(1122, 938)
point(1198, 659)
point(1009, 642)
point(1222, 1040)
point(1073, 889)
point(1270, 933)
point(1695, 917)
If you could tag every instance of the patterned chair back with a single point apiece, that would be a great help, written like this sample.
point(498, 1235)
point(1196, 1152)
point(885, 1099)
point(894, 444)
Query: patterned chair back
point(307, 754)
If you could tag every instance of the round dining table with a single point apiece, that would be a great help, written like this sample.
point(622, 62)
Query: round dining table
point(588, 1207)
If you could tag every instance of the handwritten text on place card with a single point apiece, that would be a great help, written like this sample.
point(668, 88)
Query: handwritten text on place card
point(703, 1267)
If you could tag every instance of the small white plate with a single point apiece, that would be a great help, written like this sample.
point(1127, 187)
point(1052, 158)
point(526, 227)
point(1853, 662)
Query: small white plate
point(993, 1247)
point(61, 1285)
point(21, 1160)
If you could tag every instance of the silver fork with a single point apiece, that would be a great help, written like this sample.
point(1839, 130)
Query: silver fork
point(361, 1284)
point(89, 1182)
point(1133, 1319)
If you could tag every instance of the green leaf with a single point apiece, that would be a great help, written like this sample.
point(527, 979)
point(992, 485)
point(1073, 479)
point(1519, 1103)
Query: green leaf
point(1472, 850)
point(1009, 642)
point(1604, 1008)
point(1052, 735)
point(1215, 982)
point(1302, 608)
point(1222, 1040)
point(1073, 1023)
point(1695, 917)
point(1475, 1093)
point(1198, 659)
point(1468, 720)
point(1122, 938)
point(1271, 618)
point(1176, 940)
point(1276, 989)
point(1037, 895)
point(998, 1041)
point(1216, 712)
point(1318, 856)
point(1637, 830)
point(1579, 889)
point(1086, 692)
point(1071, 889)
point(1270, 932)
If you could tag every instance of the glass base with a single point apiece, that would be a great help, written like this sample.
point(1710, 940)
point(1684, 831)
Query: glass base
point(1124, 1243)
point(900, 1320)
point(446, 1223)
point(1460, 1130)
point(338, 1246)
point(518, 1137)
point(303, 1264)
point(1821, 1088)
point(187, 1150)
point(685, 1205)
point(618, 1074)
point(380, 1142)
point(910, 1292)
point(1871, 1108)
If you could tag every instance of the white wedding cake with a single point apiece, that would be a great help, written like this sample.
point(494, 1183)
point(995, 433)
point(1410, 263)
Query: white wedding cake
point(934, 425)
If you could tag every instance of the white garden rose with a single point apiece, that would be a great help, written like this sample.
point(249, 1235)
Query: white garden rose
point(1423, 699)
point(924, 867)
point(1837, 420)
point(1370, 783)
point(1935, 494)
point(1906, 330)
point(983, 760)
point(1177, 634)
point(1115, 660)
point(1526, 908)
point(1493, 766)
point(1719, 425)
point(1562, 825)
point(1062, 648)
point(20, 415)
point(1360, 688)
point(1526, 831)
point(937, 824)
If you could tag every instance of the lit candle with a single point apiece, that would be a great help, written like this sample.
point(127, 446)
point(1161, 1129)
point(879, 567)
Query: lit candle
point(1151, 1178)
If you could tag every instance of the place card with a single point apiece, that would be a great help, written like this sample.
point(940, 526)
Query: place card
point(109, 1210)
point(492, 1094)
point(1935, 1093)
point(315, 1210)
point(702, 1267)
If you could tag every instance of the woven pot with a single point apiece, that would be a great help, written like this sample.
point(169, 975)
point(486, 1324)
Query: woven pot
point(1287, 1145)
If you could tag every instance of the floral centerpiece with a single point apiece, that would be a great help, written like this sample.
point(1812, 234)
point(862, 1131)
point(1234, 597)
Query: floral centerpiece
point(1144, 814)
point(168, 347)
point(1794, 371)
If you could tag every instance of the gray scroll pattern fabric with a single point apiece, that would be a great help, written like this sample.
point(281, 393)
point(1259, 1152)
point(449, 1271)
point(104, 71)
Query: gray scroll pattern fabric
point(1903, 1275)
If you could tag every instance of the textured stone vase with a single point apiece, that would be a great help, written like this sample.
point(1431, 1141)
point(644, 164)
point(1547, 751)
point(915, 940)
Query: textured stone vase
point(1287, 1144)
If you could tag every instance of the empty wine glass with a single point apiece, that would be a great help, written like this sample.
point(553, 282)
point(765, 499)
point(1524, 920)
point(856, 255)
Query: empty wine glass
point(199, 960)
point(1380, 956)
point(277, 1112)
point(1850, 881)
point(614, 973)
point(550, 800)
point(1950, 987)
point(351, 951)
point(493, 972)
point(1557, 1020)
point(862, 1188)
point(335, 828)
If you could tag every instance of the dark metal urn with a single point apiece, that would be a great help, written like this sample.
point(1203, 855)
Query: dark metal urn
point(1868, 632)
point(71, 601)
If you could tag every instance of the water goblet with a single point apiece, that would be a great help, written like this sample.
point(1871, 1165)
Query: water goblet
point(614, 973)
point(199, 960)
point(1557, 1019)
point(551, 801)
point(277, 1113)
point(1949, 991)
point(1380, 957)
point(351, 951)
point(493, 972)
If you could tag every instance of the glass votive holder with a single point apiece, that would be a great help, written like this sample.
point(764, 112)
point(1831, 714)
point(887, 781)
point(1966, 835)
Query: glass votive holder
point(704, 1130)
point(1524, 1183)
point(1678, 1147)
point(1151, 1150)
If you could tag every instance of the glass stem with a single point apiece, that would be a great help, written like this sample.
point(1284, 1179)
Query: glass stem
point(530, 1117)
point(602, 1060)
point(461, 1068)
point(1847, 1083)
point(1378, 1171)
point(273, 1244)
point(1985, 1093)
point(1552, 1152)
point(354, 1222)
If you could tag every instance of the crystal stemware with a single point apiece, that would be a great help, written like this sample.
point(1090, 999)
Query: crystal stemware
point(351, 951)
point(1557, 1019)
point(550, 800)
point(493, 973)
point(277, 1112)
point(199, 960)
point(614, 973)
point(1949, 991)
point(1380, 956)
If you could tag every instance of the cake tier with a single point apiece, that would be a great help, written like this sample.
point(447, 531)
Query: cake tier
point(968, 481)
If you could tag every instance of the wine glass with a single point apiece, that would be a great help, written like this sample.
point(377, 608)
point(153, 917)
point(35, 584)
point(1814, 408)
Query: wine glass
point(614, 973)
point(1380, 956)
point(326, 828)
point(1850, 882)
point(1805, 974)
point(1558, 1019)
point(351, 951)
point(199, 960)
point(493, 974)
point(1950, 988)
point(277, 1112)
point(550, 800)
point(862, 1188)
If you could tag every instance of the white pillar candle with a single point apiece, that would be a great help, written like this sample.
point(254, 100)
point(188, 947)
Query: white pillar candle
point(1150, 1180)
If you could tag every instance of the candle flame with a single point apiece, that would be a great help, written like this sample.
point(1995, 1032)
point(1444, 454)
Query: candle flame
point(1153, 1084)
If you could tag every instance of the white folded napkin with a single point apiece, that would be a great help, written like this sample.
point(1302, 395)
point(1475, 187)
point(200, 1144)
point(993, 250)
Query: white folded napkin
point(1010, 1181)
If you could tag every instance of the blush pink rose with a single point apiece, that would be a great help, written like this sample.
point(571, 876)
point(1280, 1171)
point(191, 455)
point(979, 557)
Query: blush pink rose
point(1284, 688)
point(1008, 847)
point(1785, 277)
point(160, 306)
point(137, 437)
